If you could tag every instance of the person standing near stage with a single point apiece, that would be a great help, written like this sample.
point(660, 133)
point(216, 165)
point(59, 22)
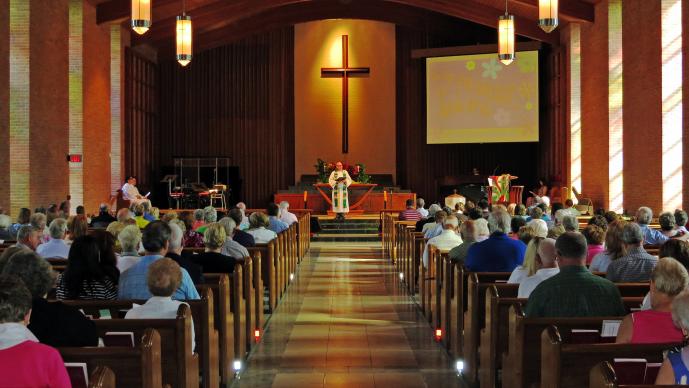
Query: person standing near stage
point(339, 180)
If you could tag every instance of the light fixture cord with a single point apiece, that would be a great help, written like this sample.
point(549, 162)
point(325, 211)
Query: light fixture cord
point(184, 7)
point(506, 13)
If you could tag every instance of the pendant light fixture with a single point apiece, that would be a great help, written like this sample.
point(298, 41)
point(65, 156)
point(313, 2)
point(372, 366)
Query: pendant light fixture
point(184, 37)
point(141, 16)
point(547, 15)
point(506, 37)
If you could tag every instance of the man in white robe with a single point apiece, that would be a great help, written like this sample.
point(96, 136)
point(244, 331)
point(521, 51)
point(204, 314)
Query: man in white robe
point(339, 181)
point(131, 193)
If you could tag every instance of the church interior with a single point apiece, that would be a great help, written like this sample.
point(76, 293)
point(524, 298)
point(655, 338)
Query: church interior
point(344, 193)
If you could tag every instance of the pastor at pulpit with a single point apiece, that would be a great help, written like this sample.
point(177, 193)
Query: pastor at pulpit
point(339, 181)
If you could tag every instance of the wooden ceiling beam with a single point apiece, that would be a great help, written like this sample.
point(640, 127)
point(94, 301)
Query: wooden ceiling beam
point(114, 11)
point(571, 10)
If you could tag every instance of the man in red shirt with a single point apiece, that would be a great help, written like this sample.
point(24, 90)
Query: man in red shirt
point(411, 214)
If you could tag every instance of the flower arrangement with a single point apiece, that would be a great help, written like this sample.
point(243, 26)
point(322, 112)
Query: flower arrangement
point(357, 171)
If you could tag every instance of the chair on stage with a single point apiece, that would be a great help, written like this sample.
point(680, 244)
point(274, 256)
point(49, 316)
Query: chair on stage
point(218, 193)
point(121, 202)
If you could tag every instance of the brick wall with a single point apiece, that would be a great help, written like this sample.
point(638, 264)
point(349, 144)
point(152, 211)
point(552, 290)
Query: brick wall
point(4, 103)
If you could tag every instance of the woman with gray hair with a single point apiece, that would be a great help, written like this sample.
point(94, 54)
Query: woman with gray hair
point(668, 279)
point(668, 224)
point(56, 247)
point(129, 239)
point(231, 247)
point(32, 364)
point(53, 323)
point(674, 370)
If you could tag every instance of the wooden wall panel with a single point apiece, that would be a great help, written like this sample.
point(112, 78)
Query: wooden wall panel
point(234, 101)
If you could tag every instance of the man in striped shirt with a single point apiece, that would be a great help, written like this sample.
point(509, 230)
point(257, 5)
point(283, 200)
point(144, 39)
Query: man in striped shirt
point(411, 214)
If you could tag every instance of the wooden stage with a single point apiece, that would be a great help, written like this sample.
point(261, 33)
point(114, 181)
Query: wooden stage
point(374, 203)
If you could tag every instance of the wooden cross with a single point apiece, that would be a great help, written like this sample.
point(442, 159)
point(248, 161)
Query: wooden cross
point(344, 72)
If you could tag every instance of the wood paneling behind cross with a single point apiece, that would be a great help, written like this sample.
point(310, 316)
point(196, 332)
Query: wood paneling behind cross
point(344, 72)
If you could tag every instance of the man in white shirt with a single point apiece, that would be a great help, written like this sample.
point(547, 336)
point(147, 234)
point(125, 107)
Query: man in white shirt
point(285, 216)
point(548, 267)
point(447, 239)
point(131, 193)
point(164, 278)
point(419, 208)
point(56, 246)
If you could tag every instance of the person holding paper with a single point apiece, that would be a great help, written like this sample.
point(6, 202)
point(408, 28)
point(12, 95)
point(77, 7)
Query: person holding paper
point(339, 180)
point(131, 193)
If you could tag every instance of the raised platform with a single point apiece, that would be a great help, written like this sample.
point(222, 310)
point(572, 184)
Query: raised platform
point(354, 228)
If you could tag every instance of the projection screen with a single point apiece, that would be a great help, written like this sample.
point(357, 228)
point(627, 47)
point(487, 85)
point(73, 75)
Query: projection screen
point(477, 99)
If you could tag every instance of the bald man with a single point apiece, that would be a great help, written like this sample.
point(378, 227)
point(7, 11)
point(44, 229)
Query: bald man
point(547, 265)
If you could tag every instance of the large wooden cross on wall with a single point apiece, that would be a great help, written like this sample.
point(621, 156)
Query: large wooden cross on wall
point(344, 72)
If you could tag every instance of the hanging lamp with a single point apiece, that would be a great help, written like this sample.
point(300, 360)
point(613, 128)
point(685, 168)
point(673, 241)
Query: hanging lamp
point(184, 37)
point(506, 37)
point(547, 15)
point(141, 16)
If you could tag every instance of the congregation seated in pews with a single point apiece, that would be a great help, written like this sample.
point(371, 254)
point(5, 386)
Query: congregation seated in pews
point(133, 305)
point(573, 319)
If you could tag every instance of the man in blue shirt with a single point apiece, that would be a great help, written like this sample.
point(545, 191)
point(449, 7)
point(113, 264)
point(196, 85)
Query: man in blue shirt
point(133, 283)
point(499, 253)
point(276, 225)
point(651, 236)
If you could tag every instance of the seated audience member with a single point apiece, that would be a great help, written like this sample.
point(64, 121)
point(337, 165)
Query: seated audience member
point(599, 221)
point(5, 223)
point(240, 236)
point(285, 215)
point(244, 225)
point(274, 222)
point(86, 275)
point(510, 209)
point(558, 227)
point(574, 292)
point(9, 252)
point(430, 219)
point(129, 239)
point(529, 265)
point(475, 214)
point(611, 216)
point(123, 215)
point(555, 206)
point(28, 237)
point(156, 241)
point(614, 247)
point(498, 253)
point(139, 212)
point(231, 247)
point(681, 219)
point(536, 213)
point(23, 361)
point(104, 218)
point(210, 215)
point(520, 211)
point(482, 230)
point(23, 219)
point(636, 265)
point(169, 216)
point(650, 236)
point(38, 221)
point(677, 249)
point(570, 223)
point(259, 224)
point(191, 238)
point(515, 225)
point(198, 219)
point(432, 230)
point(569, 206)
point(212, 260)
point(668, 279)
point(595, 236)
point(447, 239)
point(56, 247)
point(174, 252)
point(52, 213)
point(65, 208)
point(410, 213)
point(547, 268)
point(540, 228)
point(668, 227)
point(164, 278)
point(54, 323)
point(151, 214)
point(77, 226)
point(674, 370)
point(468, 233)
point(419, 208)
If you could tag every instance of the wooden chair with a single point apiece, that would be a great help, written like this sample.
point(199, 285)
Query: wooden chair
point(134, 367)
point(121, 202)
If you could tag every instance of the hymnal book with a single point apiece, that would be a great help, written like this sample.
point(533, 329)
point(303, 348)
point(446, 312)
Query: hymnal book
point(119, 338)
point(630, 371)
point(77, 373)
point(610, 328)
point(584, 336)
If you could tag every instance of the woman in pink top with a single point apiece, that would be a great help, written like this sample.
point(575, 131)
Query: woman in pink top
point(23, 361)
point(595, 235)
point(668, 279)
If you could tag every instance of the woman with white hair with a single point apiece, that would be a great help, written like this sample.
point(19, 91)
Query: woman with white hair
point(5, 223)
point(129, 239)
point(56, 247)
point(285, 215)
point(38, 221)
point(674, 370)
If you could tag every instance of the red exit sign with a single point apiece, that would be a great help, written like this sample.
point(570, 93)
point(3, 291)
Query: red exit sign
point(74, 158)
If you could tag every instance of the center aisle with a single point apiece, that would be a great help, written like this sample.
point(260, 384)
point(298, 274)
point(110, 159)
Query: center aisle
point(345, 323)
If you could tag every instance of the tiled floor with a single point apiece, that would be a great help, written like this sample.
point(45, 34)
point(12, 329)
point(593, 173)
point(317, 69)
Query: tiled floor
point(345, 323)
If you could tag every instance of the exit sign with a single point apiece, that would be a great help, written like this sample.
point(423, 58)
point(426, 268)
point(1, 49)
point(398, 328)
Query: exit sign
point(74, 158)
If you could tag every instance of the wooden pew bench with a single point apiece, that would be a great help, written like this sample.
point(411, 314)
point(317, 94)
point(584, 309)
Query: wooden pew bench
point(139, 366)
point(603, 375)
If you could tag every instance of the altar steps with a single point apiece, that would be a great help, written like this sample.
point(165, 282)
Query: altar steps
point(360, 230)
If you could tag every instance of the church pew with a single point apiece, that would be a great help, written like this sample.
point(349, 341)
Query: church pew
point(180, 365)
point(387, 219)
point(230, 317)
point(270, 266)
point(259, 319)
point(407, 259)
point(427, 280)
point(203, 315)
point(139, 366)
point(562, 363)
point(603, 375)
point(248, 294)
point(102, 377)
point(399, 230)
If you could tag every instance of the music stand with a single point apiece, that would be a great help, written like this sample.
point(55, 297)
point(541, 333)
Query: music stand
point(169, 179)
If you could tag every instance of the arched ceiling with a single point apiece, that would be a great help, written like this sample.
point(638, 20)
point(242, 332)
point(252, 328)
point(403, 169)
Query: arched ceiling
point(218, 22)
